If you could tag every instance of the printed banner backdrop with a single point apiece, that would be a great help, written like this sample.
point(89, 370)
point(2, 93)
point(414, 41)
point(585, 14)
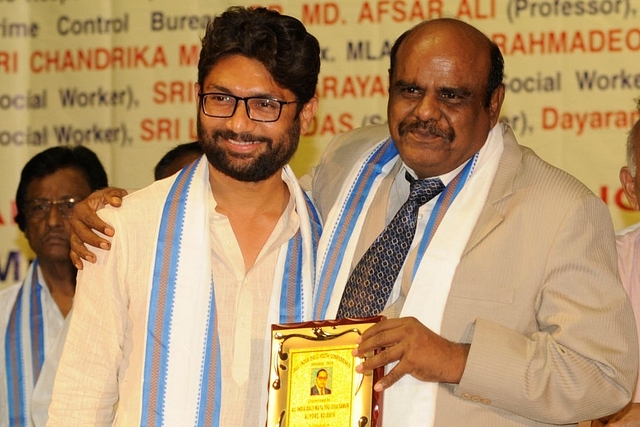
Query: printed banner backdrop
point(118, 75)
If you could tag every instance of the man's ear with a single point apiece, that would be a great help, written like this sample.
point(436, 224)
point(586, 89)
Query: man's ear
point(497, 97)
point(196, 96)
point(306, 115)
point(629, 186)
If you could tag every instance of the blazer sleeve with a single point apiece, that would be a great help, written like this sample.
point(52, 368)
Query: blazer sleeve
point(581, 360)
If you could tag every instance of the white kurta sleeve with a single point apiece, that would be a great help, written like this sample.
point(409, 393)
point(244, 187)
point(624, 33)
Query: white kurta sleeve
point(86, 386)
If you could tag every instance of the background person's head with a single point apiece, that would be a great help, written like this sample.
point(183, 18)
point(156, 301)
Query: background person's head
point(51, 183)
point(177, 158)
point(445, 94)
point(629, 173)
point(257, 77)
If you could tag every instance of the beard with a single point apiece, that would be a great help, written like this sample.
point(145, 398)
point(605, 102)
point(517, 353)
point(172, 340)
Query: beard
point(428, 127)
point(249, 167)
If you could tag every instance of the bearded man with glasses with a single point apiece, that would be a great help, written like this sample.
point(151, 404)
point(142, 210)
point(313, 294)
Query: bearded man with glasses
point(178, 312)
point(32, 313)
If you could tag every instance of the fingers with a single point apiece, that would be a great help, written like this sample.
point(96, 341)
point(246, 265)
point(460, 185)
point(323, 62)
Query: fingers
point(82, 222)
point(383, 325)
point(76, 260)
point(391, 378)
point(103, 197)
point(112, 196)
point(381, 359)
point(385, 337)
point(629, 416)
point(85, 219)
point(80, 252)
point(419, 352)
point(84, 216)
point(383, 334)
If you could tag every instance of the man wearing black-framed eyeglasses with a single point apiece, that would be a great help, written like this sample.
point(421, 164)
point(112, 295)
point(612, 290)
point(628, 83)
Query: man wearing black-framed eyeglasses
point(254, 143)
point(204, 261)
point(258, 108)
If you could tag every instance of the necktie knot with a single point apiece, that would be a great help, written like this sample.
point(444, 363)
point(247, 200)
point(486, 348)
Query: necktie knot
point(370, 284)
point(423, 190)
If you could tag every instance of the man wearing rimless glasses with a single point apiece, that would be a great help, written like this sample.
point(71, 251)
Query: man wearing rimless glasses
point(32, 313)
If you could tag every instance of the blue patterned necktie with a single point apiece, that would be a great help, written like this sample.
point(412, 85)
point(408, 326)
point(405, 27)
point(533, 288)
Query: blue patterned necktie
point(371, 281)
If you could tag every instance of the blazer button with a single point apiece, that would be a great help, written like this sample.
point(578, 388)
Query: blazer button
point(466, 396)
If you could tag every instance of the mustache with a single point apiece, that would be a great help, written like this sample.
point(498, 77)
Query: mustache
point(55, 235)
point(429, 127)
point(241, 137)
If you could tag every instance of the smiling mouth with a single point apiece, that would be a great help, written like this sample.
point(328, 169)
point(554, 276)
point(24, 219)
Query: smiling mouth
point(244, 143)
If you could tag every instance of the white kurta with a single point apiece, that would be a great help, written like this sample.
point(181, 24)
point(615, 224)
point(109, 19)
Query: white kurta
point(104, 358)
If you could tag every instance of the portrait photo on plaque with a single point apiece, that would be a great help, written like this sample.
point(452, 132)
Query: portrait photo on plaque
point(312, 377)
point(321, 382)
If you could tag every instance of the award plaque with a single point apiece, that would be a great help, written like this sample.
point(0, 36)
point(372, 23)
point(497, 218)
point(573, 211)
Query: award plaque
point(312, 377)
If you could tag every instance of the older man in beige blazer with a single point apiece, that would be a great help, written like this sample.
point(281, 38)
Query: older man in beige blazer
point(512, 312)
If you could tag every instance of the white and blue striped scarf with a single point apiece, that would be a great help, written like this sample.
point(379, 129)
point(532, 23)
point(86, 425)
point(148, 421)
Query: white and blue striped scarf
point(182, 373)
point(24, 349)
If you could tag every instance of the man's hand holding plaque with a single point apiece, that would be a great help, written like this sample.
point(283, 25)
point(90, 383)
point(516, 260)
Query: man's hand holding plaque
point(408, 342)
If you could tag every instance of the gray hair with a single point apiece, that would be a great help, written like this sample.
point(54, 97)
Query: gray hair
point(632, 139)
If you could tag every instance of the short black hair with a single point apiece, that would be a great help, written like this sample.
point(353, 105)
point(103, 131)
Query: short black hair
point(160, 171)
point(50, 161)
point(280, 42)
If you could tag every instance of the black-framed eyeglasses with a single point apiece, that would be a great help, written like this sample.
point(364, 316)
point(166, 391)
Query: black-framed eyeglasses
point(40, 208)
point(259, 109)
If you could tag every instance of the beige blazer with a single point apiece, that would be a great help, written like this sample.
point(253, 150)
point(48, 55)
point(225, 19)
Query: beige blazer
point(536, 293)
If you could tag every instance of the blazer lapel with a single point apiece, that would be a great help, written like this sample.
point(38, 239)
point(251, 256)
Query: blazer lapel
point(501, 190)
